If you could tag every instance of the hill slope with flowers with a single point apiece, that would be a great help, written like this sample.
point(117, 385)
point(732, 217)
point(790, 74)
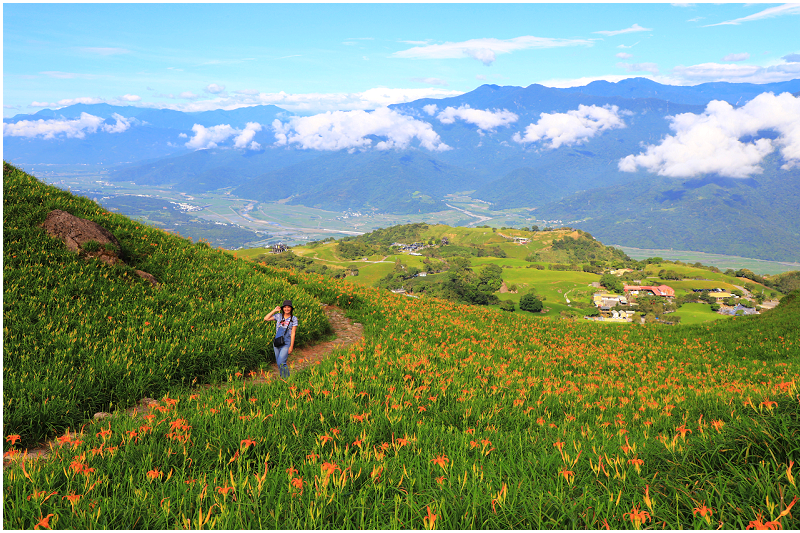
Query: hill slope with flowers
point(445, 416)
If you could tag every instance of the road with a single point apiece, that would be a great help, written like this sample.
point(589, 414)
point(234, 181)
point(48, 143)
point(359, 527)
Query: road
point(480, 218)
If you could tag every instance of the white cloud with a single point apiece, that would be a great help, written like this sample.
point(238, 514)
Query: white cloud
point(430, 109)
point(348, 130)
point(485, 120)
point(710, 142)
point(624, 55)
point(182, 135)
point(777, 11)
point(250, 92)
point(82, 100)
point(214, 88)
point(632, 29)
point(485, 50)
point(247, 134)
point(572, 127)
point(60, 75)
point(210, 137)
point(631, 46)
point(639, 67)
point(737, 57)
point(121, 125)
point(42, 104)
point(50, 129)
point(188, 95)
point(130, 98)
point(480, 77)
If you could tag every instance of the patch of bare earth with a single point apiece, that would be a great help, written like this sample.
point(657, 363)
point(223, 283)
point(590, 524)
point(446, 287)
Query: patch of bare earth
point(346, 331)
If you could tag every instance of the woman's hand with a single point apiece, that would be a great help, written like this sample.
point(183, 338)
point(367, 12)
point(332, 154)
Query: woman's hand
point(291, 349)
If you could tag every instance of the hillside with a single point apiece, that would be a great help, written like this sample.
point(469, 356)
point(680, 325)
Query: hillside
point(82, 336)
point(442, 415)
point(562, 267)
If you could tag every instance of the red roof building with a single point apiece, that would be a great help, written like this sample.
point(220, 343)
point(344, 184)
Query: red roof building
point(661, 290)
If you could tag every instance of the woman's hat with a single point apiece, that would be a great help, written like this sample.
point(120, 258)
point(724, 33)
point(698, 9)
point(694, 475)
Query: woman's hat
point(287, 302)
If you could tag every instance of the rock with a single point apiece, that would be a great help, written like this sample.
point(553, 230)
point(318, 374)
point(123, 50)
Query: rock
point(100, 416)
point(149, 277)
point(76, 232)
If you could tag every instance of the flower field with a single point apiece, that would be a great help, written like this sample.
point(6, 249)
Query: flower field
point(443, 417)
point(82, 336)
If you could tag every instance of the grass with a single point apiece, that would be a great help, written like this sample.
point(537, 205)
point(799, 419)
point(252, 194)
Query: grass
point(446, 416)
point(695, 313)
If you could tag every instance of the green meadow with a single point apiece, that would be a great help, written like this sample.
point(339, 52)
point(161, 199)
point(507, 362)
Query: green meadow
point(443, 416)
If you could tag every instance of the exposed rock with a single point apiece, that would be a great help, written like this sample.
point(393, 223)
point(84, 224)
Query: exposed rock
point(100, 416)
point(76, 232)
point(149, 277)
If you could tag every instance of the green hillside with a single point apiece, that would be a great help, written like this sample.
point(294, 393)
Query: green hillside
point(559, 266)
point(82, 337)
point(442, 416)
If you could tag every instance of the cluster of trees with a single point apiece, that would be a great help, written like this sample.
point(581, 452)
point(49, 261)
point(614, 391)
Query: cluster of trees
point(303, 264)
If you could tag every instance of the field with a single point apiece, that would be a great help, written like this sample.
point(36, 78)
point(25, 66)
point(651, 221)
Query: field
point(443, 417)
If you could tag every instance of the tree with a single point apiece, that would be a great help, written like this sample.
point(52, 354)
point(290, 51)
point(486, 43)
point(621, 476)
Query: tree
point(611, 283)
point(531, 303)
point(507, 305)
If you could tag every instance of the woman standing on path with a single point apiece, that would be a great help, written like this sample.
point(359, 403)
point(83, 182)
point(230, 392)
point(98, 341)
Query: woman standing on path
point(286, 323)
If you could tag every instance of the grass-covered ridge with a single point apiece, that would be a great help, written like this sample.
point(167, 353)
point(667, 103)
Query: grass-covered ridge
point(448, 416)
point(82, 336)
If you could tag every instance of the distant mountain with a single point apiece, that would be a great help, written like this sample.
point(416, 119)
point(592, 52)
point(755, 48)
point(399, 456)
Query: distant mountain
point(394, 181)
point(572, 174)
point(151, 133)
point(733, 93)
point(753, 217)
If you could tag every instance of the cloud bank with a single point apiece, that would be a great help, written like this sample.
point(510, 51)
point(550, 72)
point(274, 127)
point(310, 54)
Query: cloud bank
point(69, 128)
point(349, 130)
point(485, 50)
point(711, 142)
point(485, 120)
point(632, 29)
point(211, 137)
point(572, 127)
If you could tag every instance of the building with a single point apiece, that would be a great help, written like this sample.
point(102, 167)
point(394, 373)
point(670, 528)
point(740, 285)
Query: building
point(662, 290)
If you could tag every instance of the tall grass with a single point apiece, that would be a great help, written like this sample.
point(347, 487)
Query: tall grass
point(82, 336)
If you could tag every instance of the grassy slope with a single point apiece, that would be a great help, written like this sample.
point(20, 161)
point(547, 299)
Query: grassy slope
point(81, 336)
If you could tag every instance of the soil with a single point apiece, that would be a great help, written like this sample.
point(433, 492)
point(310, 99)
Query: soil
point(346, 331)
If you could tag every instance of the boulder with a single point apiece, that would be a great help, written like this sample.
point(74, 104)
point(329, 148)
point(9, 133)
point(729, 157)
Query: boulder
point(76, 232)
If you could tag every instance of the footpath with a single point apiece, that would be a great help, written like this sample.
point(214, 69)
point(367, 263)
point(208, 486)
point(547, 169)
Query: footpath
point(346, 331)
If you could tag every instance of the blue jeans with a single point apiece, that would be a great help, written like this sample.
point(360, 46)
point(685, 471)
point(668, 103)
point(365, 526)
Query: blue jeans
point(281, 357)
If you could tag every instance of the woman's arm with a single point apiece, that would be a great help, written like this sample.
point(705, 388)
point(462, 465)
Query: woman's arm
point(269, 316)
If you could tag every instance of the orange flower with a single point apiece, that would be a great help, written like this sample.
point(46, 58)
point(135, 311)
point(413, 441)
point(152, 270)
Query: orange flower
point(329, 468)
point(769, 404)
point(247, 443)
point(440, 480)
point(44, 522)
point(153, 474)
point(430, 519)
point(225, 490)
point(637, 517)
point(757, 524)
point(442, 461)
point(568, 474)
point(13, 439)
point(683, 430)
point(73, 498)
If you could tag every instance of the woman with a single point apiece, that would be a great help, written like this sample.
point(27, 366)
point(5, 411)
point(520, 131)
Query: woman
point(286, 324)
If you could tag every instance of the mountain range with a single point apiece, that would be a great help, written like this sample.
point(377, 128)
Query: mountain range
point(560, 153)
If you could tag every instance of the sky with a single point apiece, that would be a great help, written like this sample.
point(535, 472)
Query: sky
point(313, 58)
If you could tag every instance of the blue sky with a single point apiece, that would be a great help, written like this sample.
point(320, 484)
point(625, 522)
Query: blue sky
point(311, 58)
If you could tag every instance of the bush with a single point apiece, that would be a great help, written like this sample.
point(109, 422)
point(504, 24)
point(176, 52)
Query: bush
point(531, 303)
point(507, 305)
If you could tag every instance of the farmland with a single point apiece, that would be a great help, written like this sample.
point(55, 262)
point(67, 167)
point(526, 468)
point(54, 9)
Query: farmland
point(442, 417)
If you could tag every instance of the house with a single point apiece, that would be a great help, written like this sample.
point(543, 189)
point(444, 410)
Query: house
point(661, 290)
point(739, 309)
point(605, 300)
point(620, 271)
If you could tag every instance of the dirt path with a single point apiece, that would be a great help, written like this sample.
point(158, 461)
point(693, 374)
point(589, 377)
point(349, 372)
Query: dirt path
point(347, 332)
